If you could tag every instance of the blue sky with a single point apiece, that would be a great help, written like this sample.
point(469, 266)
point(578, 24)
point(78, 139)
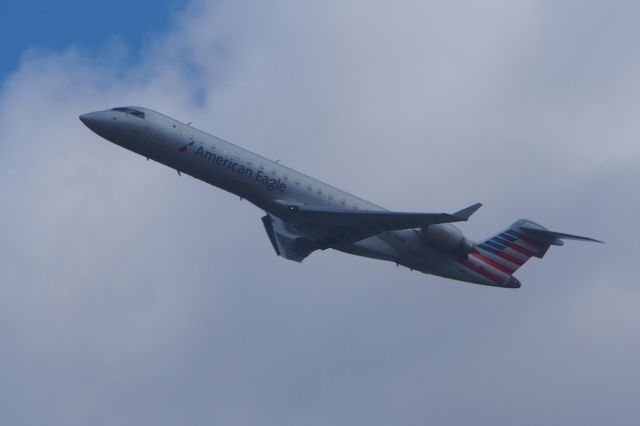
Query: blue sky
point(88, 25)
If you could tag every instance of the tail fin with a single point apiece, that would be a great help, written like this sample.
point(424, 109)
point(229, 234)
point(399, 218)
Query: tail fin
point(510, 249)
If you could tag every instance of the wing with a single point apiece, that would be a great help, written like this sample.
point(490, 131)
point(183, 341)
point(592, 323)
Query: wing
point(306, 229)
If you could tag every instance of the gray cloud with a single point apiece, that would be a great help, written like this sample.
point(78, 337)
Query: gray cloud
point(131, 296)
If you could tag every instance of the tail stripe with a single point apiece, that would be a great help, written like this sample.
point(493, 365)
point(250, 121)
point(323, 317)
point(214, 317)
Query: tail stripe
point(520, 249)
point(500, 250)
point(485, 247)
point(493, 264)
point(532, 247)
point(512, 259)
point(521, 238)
point(513, 263)
point(475, 268)
point(517, 254)
point(514, 233)
point(501, 241)
point(495, 245)
point(532, 242)
point(508, 237)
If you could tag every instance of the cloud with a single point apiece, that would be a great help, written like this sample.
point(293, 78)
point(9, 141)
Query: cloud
point(130, 295)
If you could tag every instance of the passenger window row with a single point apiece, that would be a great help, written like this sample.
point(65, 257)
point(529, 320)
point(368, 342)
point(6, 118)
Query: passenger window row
point(297, 181)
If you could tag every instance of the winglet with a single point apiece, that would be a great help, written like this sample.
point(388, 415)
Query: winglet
point(465, 214)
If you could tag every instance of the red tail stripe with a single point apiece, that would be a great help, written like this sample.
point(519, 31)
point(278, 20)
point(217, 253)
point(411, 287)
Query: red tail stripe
point(520, 249)
point(496, 279)
point(511, 259)
point(532, 242)
point(494, 264)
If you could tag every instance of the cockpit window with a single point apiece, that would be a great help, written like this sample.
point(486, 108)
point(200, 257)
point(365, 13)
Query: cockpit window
point(130, 111)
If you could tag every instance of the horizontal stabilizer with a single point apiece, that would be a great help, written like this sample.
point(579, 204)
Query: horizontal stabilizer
point(551, 235)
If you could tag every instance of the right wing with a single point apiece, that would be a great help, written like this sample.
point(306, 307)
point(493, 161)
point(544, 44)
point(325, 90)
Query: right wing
point(325, 227)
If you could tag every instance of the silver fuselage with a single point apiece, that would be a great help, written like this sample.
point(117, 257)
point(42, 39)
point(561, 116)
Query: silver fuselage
point(267, 184)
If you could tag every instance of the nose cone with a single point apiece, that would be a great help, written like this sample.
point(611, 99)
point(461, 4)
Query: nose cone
point(90, 119)
point(99, 122)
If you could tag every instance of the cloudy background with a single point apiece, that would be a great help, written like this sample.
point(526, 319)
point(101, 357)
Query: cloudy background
point(129, 295)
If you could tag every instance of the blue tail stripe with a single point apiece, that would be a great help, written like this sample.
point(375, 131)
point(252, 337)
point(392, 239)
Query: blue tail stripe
point(489, 249)
point(495, 245)
point(508, 237)
point(514, 233)
point(501, 241)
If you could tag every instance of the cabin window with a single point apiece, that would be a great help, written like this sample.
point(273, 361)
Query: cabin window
point(297, 181)
point(309, 187)
point(342, 201)
point(285, 177)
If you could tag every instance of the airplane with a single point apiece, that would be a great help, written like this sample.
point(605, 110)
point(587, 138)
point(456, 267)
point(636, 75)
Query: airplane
point(303, 214)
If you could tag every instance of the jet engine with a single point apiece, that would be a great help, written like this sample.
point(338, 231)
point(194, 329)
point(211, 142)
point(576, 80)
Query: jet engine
point(447, 238)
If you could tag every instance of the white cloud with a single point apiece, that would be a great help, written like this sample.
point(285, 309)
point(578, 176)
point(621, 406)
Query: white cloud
point(132, 295)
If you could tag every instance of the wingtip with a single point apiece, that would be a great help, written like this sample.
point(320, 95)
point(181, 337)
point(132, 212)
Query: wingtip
point(466, 213)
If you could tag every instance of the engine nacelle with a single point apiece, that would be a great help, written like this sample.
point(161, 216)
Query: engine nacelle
point(447, 238)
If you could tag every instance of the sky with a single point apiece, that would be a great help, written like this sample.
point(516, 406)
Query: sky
point(130, 295)
point(50, 26)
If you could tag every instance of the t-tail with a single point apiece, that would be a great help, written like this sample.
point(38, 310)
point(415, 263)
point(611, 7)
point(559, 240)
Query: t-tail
point(498, 257)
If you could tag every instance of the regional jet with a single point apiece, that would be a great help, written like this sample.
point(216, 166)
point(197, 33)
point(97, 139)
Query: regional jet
point(303, 215)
